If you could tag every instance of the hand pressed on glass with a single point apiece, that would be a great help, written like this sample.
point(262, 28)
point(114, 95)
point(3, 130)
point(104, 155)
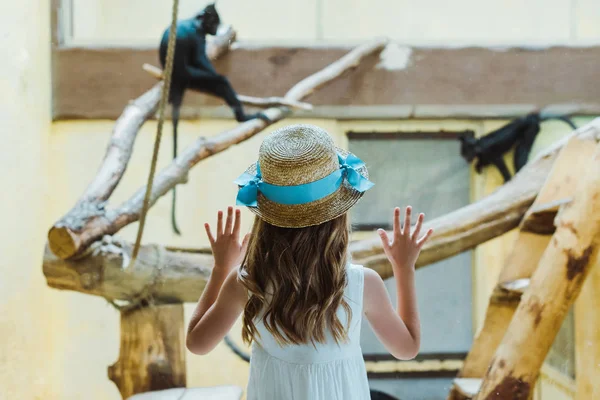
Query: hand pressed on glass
point(226, 247)
point(404, 248)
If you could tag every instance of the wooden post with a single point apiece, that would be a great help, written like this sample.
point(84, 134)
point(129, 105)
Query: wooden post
point(529, 247)
point(587, 337)
point(152, 353)
point(554, 287)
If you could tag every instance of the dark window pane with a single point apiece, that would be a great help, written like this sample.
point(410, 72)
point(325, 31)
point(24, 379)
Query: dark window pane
point(430, 175)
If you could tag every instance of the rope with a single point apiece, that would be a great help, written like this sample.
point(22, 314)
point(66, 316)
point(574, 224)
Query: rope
point(161, 119)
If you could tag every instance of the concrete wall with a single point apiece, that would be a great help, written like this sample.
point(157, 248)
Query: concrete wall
point(428, 22)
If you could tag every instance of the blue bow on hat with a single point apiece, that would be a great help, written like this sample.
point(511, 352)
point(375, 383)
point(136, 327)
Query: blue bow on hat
point(250, 185)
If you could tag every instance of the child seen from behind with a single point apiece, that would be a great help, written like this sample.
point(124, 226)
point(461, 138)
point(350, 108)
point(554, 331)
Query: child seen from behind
point(302, 299)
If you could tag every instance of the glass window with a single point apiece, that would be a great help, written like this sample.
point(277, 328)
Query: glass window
point(426, 171)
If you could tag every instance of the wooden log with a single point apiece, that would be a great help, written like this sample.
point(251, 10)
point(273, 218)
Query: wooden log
point(167, 276)
point(248, 100)
point(152, 352)
point(525, 256)
point(587, 337)
point(71, 240)
point(62, 237)
point(459, 231)
point(555, 285)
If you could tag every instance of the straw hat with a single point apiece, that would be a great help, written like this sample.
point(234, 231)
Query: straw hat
point(332, 180)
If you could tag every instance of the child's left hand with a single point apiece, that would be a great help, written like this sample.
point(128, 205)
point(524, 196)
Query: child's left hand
point(227, 249)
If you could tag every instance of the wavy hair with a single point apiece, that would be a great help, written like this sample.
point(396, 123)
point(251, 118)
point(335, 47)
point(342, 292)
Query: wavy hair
point(295, 279)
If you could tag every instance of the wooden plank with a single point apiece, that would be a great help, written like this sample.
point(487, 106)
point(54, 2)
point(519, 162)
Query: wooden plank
point(436, 82)
point(587, 337)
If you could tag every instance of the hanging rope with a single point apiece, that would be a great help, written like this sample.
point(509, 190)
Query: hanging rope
point(161, 119)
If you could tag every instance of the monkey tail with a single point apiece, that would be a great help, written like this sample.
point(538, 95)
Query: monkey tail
point(236, 350)
point(174, 199)
point(562, 118)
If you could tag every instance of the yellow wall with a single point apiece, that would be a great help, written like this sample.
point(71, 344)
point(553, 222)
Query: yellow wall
point(409, 22)
point(27, 308)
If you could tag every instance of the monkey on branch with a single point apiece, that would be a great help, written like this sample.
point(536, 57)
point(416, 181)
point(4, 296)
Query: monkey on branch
point(193, 70)
point(490, 149)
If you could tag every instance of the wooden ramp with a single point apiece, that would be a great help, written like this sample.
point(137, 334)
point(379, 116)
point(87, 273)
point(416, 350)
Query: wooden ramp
point(535, 234)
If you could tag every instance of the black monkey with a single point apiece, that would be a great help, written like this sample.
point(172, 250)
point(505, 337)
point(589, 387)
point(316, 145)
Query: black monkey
point(489, 149)
point(193, 70)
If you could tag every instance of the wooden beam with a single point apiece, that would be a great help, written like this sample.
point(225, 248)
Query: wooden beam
point(587, 337)
point(152, 352)
point(555, 285)
point(431, 83)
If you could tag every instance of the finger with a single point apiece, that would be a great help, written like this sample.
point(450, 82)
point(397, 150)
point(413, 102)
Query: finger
point(418, 226)
point(236, 225)
point(422, 241)
point(406, 230)
point(211, 238)
point(397, 230)
point(229, 221)
point(385, 241)
point(219, 223)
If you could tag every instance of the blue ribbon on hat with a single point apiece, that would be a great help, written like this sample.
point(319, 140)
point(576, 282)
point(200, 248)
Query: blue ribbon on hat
point(250, 185)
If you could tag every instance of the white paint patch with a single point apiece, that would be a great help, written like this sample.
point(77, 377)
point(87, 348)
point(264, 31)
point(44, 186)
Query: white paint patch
point(394, 57)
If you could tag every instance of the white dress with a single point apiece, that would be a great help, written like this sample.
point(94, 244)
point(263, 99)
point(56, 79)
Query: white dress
point(303, 372)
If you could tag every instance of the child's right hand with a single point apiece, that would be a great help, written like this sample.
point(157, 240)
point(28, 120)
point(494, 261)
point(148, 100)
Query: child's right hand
point(404, 248)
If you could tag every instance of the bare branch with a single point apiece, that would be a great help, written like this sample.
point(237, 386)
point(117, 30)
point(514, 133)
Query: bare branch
point(248, 100)
point(185, 271)
point(70, 240)
point(92, 202)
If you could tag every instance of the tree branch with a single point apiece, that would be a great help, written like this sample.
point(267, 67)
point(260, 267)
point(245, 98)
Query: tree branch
point(248, 100)
point(67, 240)
point(184, 272)
point(93, 201)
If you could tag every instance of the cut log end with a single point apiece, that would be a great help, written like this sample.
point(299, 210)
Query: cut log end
point(509, 292)
point(467, 387)
point(517, 286)
point(62, 242)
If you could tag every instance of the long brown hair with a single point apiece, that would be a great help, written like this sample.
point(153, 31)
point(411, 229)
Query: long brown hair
point(296, 278)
